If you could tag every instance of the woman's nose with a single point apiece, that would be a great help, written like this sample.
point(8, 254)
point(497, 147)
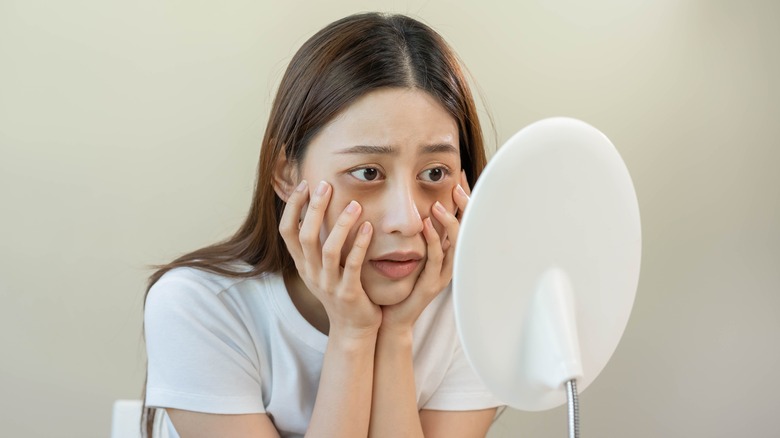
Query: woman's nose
point(401, 213)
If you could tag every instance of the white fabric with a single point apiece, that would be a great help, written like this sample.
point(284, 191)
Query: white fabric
point(235, 346)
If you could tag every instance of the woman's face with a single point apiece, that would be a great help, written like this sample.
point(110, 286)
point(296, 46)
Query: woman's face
point(395, 151)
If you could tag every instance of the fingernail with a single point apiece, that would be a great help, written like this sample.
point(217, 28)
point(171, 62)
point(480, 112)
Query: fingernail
point(301, 187)
point(322, 187)
point(428, 223)
point(439, 207)
point(365, 228)
point(461, 191)
point(352, 207)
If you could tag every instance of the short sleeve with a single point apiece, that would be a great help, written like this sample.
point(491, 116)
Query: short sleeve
point(461, 389)
point(200, 355)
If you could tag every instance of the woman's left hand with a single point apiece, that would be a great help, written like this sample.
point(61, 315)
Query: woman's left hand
point(437, 272)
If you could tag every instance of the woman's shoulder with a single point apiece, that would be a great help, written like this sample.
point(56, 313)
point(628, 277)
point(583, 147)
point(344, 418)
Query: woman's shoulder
point(190, 284)
point(195, 297)
point(211, 280)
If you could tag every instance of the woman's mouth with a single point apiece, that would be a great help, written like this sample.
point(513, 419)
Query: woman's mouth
point(397, 265)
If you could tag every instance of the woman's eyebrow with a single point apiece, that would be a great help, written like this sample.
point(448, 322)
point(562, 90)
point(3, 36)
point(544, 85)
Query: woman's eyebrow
point(439, 148)
point(365, 149)
point(390, 150)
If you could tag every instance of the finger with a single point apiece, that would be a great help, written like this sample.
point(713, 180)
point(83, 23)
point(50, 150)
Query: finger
point(357, 255)
point(331, 250)
point(303, 214)
point(446, 246)
point(312, 223)
point(461, 197)
point(291, 216)
point(464, 182)
point(445, 241)
point(452, 227)
point(429, 278)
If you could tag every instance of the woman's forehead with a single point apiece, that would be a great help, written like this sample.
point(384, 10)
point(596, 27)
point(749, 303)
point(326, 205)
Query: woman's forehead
point(391, 121)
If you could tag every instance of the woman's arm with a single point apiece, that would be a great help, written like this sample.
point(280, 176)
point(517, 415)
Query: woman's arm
point(341, 409)
point(446, 424)
point(190, 424)
point(343, 402)
point(394, 406)
point(394, 409)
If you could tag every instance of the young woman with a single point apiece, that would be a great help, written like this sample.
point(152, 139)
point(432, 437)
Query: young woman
point(328, 313)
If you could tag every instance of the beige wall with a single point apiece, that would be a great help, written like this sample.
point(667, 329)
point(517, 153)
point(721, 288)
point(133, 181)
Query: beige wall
point(129, 133)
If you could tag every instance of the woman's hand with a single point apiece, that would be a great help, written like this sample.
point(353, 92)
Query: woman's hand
point(437, 272)
point(350, 311)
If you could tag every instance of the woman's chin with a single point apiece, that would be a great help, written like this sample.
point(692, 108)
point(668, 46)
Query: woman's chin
point(385, 292)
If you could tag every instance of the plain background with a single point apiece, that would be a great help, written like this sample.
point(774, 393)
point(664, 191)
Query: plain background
point(129, 134)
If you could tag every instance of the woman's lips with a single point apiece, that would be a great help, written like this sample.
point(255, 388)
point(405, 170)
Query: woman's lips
point(395, 269)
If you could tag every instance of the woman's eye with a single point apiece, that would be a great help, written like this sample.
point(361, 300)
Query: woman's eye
point(366, 173)
point(435, 174)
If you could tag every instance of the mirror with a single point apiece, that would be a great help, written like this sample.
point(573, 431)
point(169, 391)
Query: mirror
point(547, 263)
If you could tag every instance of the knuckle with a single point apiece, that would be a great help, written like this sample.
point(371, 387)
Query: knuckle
point(347, 299)
point(309, 239)
point(287, 236)
point(436, 257)
point(344, 221)
point(353, 262)
point(323, 285)
point(284, 229)
point(303, 271)
point(361, 243)
point(330, 252)
point(316, 203)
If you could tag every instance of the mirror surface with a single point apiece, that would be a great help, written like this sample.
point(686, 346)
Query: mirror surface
point(556, 195)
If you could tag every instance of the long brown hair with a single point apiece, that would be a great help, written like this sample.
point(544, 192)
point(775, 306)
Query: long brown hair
point(345, 60)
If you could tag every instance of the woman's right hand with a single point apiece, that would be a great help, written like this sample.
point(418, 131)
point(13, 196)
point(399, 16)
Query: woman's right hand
point(339, 289)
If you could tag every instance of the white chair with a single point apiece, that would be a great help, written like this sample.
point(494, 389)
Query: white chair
point(126, 420)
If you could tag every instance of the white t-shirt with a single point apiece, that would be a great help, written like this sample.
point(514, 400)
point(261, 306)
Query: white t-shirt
point(238, 345)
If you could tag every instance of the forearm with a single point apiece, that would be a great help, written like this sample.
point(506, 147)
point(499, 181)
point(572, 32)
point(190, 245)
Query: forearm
point(343, 403)
point(394, 405)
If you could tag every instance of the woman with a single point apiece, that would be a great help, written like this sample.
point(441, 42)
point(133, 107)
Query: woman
point(328, 313)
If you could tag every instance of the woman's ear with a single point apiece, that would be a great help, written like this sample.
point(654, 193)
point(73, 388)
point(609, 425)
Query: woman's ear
point(285, 177)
